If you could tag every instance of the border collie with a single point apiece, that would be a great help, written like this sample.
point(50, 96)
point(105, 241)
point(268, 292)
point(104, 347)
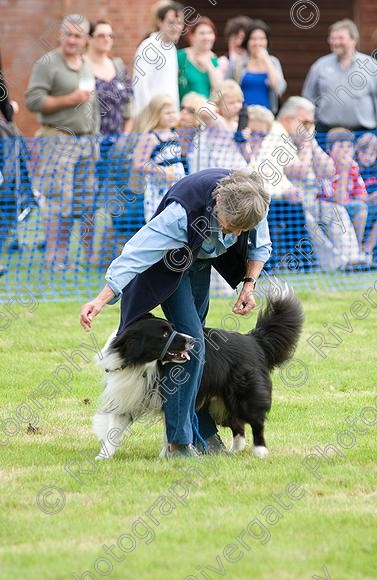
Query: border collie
point(236, 381)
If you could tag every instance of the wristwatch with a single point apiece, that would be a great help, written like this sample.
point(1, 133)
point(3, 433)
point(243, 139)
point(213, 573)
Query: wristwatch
point(249, 279)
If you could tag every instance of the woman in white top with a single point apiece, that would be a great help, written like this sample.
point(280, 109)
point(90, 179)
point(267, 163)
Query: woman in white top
point(156, 64)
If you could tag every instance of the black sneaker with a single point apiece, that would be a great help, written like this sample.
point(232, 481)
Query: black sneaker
point(187, 450)
point(215, 446)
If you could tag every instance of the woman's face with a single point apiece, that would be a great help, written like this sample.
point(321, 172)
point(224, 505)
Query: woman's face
point(168, 116)
point(230, 104)
point(226, 226)
point(172, 25)
point(258, 127)
point(257, 40)
point(203, 38)
point(102, 38)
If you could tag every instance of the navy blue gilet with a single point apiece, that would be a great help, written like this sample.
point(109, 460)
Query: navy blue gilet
point(152, 287)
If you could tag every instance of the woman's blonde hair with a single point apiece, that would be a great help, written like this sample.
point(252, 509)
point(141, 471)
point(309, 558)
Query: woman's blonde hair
point(229, 86)
point(149, 117)
point(261, 115)
point(196, 101)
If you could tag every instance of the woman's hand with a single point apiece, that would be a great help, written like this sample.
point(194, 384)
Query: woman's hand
point(88, 312)
point(204, 61)
point(91, 309)
point(246, 301)
point(262, 54)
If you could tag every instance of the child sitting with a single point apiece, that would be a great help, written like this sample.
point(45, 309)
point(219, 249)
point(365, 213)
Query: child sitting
point(348, 186)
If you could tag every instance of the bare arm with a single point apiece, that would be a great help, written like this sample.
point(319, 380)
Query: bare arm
point(341, 186)
point(322, 163)
point(214, 72)
point(143, 152)
point(298, 167)
point(39, 99)
point(215, 76)
point(343, 165)
point(52, 104)
point(91, 309)
point(273, 75)
point(128, 123)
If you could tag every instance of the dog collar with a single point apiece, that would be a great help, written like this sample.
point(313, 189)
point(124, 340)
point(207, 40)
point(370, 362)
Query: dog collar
point(114, 370)
point(165, 349)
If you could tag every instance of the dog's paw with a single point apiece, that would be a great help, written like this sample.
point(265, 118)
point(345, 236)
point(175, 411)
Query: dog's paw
point(260, 451)
point(238, 444)
point(100, 457)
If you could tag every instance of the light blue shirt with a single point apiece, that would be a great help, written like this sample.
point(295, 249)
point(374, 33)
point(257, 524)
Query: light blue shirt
point(168, 231)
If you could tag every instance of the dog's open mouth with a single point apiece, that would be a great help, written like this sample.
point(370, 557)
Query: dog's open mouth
point(181, 356)
point(178, 356)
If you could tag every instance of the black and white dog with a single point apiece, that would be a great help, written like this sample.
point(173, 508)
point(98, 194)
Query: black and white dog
point(236, 381)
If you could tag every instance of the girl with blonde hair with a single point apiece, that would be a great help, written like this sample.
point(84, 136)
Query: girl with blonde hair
point(228, 148)
point(158, 156)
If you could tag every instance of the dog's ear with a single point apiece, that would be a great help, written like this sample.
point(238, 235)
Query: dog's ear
point(129, 344)
point(134, 346)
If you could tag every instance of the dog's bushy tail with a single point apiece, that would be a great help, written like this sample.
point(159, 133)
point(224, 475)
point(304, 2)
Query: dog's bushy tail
point(279, 324)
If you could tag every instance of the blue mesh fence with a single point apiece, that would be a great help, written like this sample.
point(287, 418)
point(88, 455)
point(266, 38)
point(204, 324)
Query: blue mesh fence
point(69, 204)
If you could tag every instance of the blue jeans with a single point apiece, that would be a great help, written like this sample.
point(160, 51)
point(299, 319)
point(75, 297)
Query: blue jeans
point(187, 309)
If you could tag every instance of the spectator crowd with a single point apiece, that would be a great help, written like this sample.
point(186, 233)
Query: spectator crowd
point(112, 142)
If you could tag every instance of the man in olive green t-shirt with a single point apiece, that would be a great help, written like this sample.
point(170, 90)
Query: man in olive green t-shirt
point(62, 91)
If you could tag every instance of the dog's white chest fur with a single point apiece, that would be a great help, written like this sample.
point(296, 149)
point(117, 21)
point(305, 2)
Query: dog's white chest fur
point(130, 391)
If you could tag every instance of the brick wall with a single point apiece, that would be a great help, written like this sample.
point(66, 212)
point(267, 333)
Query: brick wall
point(28, 29)
point(366, 17)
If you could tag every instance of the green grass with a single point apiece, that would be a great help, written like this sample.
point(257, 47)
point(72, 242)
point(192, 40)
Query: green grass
point(332, 525)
